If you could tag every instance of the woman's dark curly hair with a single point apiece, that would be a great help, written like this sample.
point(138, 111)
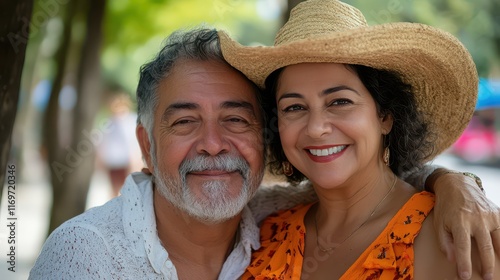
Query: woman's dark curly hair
point(409, 141)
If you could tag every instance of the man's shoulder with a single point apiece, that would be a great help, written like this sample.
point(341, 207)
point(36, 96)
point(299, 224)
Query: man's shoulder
point(105, 242)
point(110, 216)
point(104, 220)
point(96, 232)
point(89, 246)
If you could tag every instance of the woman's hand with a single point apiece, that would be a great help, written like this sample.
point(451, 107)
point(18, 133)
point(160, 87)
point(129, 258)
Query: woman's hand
point(462, 211)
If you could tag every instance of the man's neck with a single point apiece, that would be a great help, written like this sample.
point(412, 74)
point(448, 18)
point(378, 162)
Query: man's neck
point(196, 249)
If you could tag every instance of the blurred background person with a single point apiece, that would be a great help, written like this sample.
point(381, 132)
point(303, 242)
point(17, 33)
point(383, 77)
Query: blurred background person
point(119, 153)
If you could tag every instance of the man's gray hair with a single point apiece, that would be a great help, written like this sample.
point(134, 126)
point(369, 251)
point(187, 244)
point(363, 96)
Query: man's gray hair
point(197, 44)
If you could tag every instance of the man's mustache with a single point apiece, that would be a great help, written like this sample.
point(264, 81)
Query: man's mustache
point(227, 162)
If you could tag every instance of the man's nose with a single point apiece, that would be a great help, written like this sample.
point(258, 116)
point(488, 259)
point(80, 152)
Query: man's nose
point(212, 140)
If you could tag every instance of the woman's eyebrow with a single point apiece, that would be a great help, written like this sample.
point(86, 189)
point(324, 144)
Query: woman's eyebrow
point(290, 95)
point(338, 88)
point(324, 92)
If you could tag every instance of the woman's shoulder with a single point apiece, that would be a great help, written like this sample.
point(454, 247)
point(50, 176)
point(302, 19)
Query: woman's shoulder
point(432, 263)
point(429, 260)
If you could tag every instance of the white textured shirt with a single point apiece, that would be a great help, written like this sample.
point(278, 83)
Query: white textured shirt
point(118, 240)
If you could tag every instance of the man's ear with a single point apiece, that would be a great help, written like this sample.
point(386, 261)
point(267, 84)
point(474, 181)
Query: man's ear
point(145, 144)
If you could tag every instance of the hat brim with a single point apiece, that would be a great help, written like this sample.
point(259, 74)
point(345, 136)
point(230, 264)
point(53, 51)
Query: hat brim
point(439, 68)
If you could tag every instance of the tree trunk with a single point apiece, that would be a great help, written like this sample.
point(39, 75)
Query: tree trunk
point(14, 32)
point(72, 174)
point(26, 133)
point(51, 140)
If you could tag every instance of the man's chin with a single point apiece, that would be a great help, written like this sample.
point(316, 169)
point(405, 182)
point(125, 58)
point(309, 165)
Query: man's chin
point(215, 212)
point(211, 203)
point(215, 188)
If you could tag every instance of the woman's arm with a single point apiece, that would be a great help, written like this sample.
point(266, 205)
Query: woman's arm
point(462, 211)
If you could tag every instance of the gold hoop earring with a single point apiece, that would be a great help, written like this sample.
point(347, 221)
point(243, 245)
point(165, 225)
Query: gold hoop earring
point(287, 168)
point(387, 155)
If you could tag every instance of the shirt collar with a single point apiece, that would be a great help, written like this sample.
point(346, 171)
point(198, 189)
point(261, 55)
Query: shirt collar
point(140, 228)
point(240, 257)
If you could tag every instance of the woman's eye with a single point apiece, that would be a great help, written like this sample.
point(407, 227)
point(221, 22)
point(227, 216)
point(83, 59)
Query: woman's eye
point(341, 102)
point(294, 107)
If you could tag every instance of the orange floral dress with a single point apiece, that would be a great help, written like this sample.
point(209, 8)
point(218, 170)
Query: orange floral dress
point(390, 256)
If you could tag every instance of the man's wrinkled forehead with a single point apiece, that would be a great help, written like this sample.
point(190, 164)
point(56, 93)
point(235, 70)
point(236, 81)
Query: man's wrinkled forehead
point(194, 81)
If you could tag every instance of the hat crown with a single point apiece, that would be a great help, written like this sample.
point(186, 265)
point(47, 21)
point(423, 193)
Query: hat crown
point(318, 18)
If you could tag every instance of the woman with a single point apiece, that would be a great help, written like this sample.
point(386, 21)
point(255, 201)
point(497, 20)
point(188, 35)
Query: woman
point(357, 106)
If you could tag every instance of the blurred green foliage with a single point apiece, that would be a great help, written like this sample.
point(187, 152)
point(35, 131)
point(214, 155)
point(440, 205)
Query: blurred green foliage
point(476, 23)
point(135, 29)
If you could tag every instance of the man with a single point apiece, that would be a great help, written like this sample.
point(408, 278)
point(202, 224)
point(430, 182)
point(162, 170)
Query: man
point(200, 131)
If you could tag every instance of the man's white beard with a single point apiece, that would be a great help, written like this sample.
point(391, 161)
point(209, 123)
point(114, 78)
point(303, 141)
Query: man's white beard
point(215, 204)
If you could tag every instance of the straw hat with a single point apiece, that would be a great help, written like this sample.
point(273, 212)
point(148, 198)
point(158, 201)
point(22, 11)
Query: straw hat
point(437, 66)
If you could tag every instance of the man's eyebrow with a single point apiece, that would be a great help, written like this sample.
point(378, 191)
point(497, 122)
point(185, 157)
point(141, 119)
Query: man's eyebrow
point(176, 107)
point(238, 105)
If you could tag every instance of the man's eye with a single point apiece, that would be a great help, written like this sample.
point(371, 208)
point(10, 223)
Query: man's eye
point(182, 122)
point(237, 120)
point(236, 124)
